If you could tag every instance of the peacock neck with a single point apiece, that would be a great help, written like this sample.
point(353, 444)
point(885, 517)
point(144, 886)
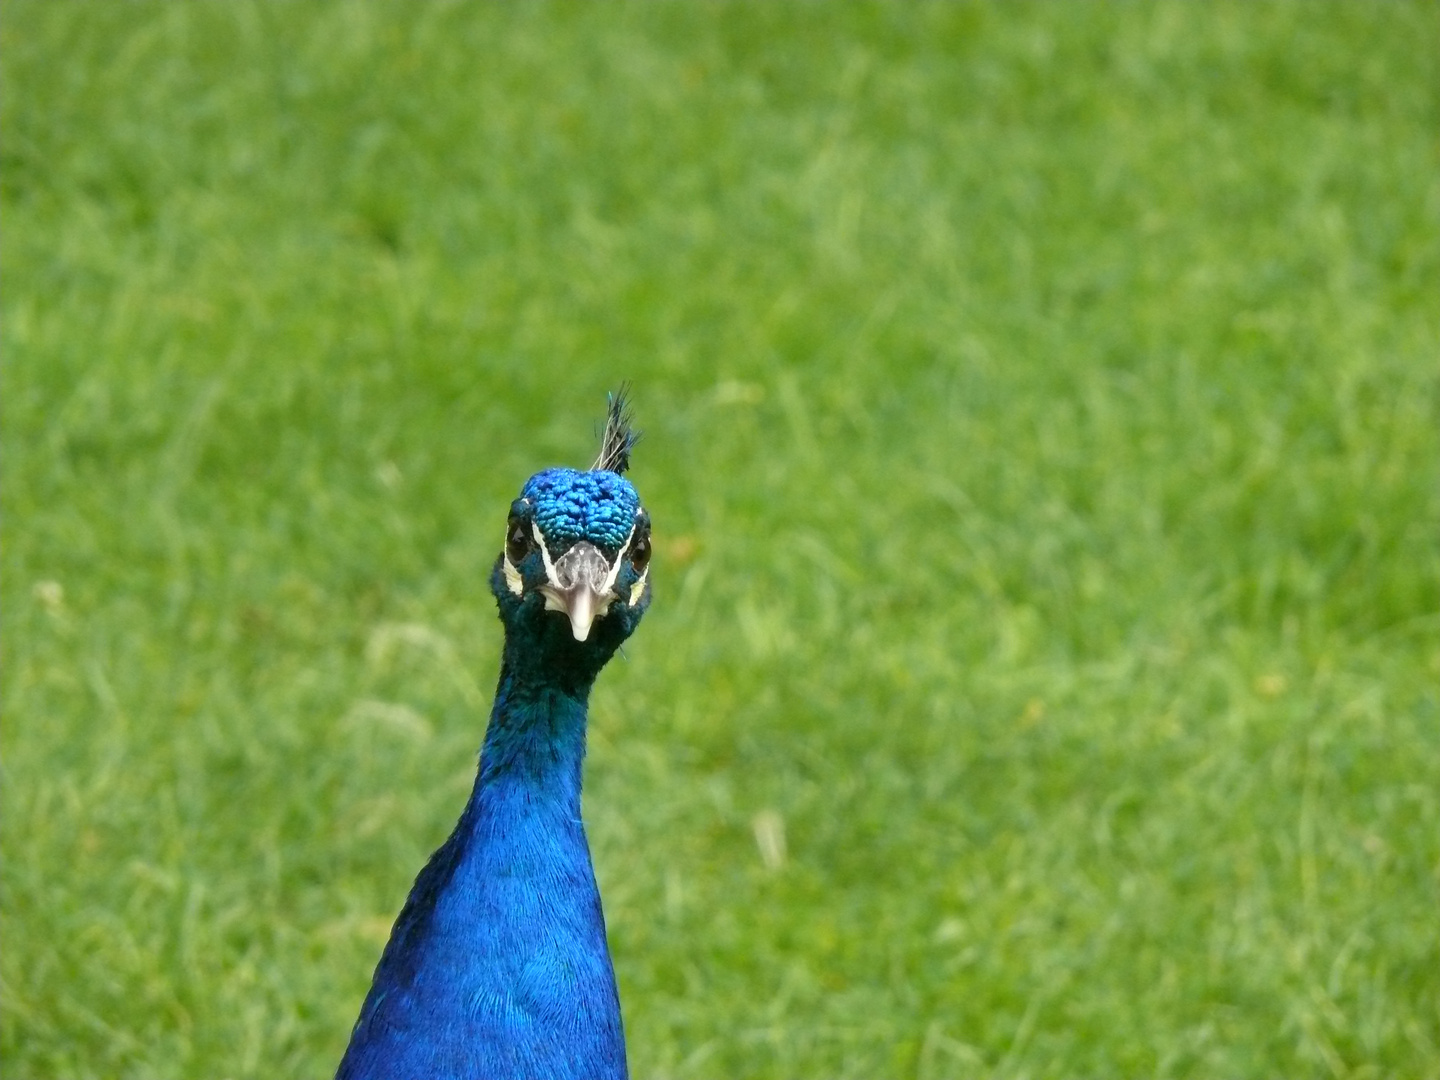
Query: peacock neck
point(536, 736)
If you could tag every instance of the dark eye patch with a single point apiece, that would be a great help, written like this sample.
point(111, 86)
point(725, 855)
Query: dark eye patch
point(640, 545)
point(519, 541)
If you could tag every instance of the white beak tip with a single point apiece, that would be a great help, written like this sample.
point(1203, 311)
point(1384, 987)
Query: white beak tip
point(581, 609)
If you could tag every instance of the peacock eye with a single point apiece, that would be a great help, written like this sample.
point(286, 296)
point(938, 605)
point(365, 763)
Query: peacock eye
point(518, 542)
point(640, 550)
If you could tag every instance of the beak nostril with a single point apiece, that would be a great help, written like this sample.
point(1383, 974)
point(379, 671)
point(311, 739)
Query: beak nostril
point(583, 564)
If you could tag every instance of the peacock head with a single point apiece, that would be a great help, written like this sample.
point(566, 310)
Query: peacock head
point(574, 573)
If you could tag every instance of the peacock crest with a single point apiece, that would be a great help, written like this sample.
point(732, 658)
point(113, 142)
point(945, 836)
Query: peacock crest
point(619, 436)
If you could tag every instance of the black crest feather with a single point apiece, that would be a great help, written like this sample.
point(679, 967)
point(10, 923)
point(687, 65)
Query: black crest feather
point(620, 436)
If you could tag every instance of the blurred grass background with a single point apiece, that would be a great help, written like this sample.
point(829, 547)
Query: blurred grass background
point(1041, 438)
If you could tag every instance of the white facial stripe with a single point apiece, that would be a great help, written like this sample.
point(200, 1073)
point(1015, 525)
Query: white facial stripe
point(513, 581)
point(638, 589)
point(545, 554)
point(620, 560)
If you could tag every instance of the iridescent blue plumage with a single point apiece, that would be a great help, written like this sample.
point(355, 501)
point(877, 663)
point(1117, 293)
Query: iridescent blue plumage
point(569, 505)
point(497, 966)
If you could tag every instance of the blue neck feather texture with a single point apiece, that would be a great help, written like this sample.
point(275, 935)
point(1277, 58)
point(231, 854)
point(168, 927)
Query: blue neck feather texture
point(497, 966)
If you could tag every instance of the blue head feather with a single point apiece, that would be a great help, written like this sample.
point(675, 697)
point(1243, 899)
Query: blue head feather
point(598, 506)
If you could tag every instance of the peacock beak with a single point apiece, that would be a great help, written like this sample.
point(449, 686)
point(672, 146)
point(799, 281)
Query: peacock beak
point(581, 606)
point(580, 587)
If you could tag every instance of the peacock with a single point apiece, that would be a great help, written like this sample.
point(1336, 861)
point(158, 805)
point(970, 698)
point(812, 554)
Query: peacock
point(497, 965)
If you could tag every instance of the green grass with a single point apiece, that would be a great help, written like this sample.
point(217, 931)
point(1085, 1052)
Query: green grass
point(1041, 438)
